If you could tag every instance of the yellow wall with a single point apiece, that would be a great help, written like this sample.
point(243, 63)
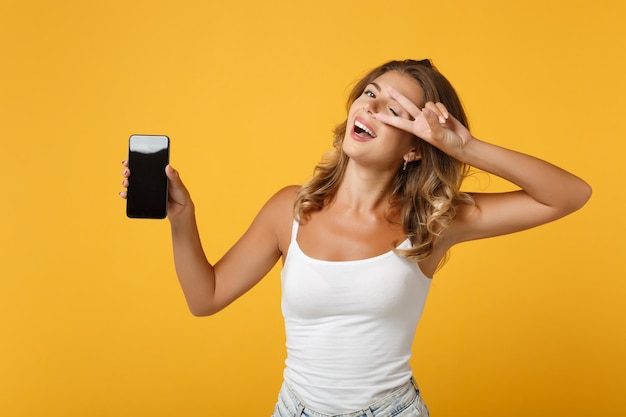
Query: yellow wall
point(92, 321)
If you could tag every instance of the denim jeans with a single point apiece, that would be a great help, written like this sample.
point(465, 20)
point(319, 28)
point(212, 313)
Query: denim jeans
point(404, 402)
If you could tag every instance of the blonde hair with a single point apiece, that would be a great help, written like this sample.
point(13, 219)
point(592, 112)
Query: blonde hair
point(427, 192)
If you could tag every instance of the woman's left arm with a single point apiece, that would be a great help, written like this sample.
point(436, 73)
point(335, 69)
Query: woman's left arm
point(547, 191)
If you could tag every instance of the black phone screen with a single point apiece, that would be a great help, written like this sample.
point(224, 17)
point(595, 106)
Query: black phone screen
point(148, 155)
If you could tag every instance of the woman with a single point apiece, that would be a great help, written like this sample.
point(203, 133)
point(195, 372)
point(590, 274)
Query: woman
point(361, 241)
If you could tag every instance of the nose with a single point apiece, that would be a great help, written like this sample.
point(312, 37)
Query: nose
point(374, 105)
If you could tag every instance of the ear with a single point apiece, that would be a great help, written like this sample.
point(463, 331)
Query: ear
point(411, 156)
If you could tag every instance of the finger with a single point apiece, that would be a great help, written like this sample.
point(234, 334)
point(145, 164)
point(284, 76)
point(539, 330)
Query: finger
point(433, 122)
point(441, 115)
point(177, 191)
point(125, 183)
point(126, 172)
point(172, 174)
point(442, 108)
point(399, 122)
point(174, 177)
point(406, 104)
point(125, 162)
point(123, 194)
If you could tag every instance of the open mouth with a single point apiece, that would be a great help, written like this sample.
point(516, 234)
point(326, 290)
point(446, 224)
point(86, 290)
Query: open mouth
point(363, 131)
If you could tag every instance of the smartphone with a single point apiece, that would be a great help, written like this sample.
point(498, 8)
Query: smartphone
point(148, 155)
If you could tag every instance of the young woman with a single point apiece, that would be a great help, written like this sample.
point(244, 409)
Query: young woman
point(361, 241)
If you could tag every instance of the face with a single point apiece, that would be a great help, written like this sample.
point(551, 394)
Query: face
point(372, 142)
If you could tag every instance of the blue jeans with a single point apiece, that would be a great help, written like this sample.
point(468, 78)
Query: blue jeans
point(404, 402)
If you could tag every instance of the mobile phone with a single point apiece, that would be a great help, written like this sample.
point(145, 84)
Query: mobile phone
point(148, 155)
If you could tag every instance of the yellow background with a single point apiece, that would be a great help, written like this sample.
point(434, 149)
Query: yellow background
point(92, 320)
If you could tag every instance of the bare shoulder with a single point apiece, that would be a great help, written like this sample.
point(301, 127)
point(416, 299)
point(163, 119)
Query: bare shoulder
point(286, 194)
point(278, 212)
point(282, 201)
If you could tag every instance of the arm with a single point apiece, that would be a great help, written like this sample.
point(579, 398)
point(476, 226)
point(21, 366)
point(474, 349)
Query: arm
point(209, 288)
point(547, 192)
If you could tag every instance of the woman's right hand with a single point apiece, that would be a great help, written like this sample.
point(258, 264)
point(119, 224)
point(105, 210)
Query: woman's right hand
point(178, 198)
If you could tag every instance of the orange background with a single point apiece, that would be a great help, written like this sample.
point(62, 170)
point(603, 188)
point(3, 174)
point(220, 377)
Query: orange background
point(92, 319)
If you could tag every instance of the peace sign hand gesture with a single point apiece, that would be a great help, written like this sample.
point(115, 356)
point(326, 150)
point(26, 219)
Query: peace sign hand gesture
point(434, 124)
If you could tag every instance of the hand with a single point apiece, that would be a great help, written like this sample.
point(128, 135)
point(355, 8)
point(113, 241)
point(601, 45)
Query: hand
point(434, 124)
point(178, 197)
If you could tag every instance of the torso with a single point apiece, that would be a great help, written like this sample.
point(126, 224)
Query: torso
point(335, 234)
point(349, 326)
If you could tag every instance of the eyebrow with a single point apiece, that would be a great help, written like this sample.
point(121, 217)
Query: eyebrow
point(376, 85)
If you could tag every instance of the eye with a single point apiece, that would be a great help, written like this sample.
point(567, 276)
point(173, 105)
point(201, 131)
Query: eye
point(395, 113)
point(369, 93)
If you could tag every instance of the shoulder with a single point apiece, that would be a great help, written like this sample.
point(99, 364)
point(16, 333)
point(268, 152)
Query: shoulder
point(275, 217)
point(283, 198)
point(278, 210)
point(289, 192)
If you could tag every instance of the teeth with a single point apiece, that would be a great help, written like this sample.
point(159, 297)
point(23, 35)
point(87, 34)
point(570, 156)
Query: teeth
point(362, 126)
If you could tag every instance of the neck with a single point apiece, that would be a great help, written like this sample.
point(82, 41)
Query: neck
point(365, 190)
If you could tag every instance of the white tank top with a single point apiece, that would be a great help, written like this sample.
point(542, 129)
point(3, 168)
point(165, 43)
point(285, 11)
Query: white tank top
point(350, 326)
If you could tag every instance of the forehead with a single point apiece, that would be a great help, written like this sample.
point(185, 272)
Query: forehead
point(404, 83)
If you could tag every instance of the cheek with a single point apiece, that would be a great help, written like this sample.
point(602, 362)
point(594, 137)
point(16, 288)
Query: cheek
point(404, 142)
point(403, 138)
point(356, 104)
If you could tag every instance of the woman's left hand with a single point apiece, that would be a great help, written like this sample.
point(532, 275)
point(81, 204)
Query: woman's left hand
point(434, 124)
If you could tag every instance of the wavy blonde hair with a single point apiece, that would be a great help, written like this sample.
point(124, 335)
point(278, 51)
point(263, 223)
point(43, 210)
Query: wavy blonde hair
point(427, 192)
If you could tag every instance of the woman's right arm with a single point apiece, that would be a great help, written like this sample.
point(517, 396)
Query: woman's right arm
point(209, 288)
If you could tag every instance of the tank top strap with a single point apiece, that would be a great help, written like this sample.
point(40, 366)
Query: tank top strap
point(294, 229)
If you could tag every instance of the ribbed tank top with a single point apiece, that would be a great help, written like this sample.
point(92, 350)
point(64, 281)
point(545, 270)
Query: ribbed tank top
point(349, 326)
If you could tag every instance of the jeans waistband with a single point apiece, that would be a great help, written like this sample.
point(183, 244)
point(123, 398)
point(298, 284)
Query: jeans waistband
point(389, 405)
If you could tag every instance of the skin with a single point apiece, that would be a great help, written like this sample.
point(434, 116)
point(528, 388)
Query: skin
point(355, 224)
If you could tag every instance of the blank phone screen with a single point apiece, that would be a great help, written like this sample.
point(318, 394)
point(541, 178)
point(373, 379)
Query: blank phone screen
point(148, 155)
